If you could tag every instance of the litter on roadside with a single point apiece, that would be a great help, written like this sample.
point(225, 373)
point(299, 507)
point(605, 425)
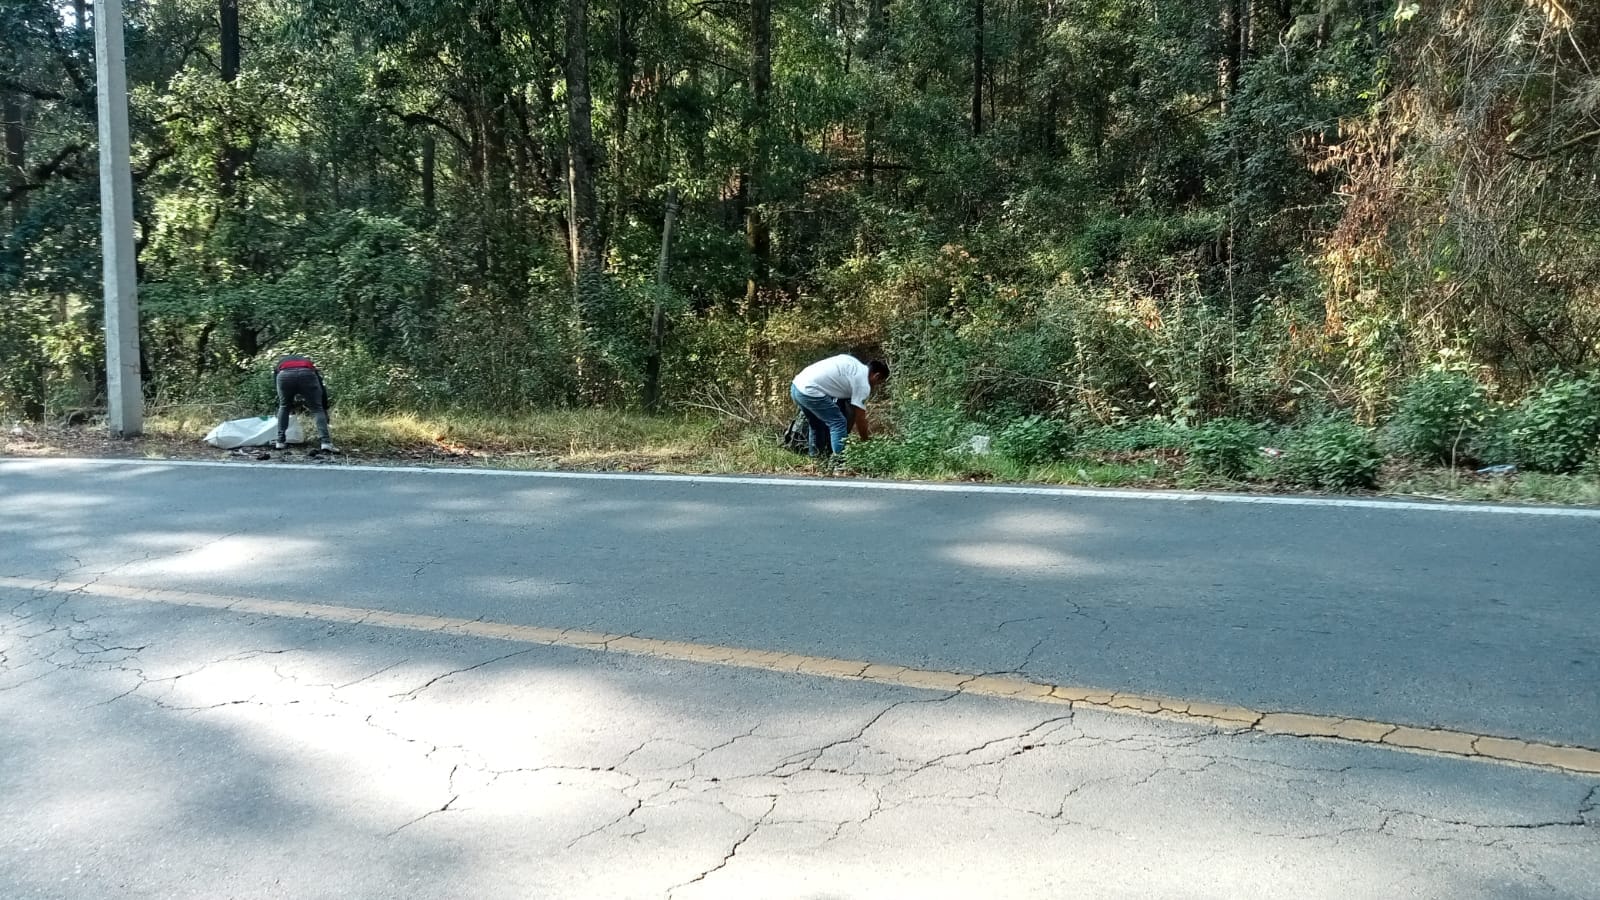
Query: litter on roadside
point(253, 432)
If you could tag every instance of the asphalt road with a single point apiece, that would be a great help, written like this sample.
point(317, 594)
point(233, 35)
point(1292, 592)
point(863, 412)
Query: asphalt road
point(157, 749)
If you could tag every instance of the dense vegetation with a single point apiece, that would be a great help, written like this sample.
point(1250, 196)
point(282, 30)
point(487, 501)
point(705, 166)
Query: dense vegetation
point(1052, 215)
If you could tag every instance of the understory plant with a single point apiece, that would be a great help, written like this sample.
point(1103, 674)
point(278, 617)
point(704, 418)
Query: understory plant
point(1334, 454)
point(1225, 448)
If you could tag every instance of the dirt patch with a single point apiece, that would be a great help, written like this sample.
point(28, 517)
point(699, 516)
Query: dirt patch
point(68, 441)
point(52, 440)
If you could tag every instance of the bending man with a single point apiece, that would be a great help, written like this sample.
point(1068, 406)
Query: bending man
point(297, 378)
point(820, 387)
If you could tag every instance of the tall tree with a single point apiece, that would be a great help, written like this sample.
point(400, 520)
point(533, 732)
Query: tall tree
point(877, 33)
point(232, 157)
point(978, 68)
point(582, 162)
point(1234, 23)
point(16, 136)
point(658, 313)
point(757, 234)
point(429, 171)
point(627, 58)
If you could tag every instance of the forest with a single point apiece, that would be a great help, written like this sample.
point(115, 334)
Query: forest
point(1364, 231)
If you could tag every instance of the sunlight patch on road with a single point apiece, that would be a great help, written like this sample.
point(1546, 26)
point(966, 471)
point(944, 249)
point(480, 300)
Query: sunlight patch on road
point(211, 554)
point(998, 555)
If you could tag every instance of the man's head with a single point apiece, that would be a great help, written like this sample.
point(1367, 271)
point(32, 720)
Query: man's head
point(877, 372)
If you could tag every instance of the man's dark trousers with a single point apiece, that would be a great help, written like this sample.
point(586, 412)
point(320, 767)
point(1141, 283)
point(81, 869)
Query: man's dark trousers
point(305, 385)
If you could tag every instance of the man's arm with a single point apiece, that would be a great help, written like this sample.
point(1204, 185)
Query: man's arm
point(862, 428)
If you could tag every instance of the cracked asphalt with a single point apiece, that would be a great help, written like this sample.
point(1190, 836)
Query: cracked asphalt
point(156, 749)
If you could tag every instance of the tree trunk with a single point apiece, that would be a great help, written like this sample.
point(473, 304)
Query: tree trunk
point(231, 159)
point(627, 60)
point(16, 147)
point(977, 67)
point(80, 15)
point(697, 138)
point(658, 315)
point(230, 40)
point(1052, 111)
point(871, 52)
point(1229, 64)
point(428, 169)
point(552, 157)
point(582, 220)
point(757, 237)
point(202, 349)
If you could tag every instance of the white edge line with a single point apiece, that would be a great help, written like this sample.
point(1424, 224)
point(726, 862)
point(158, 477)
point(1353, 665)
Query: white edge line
point(852, 484)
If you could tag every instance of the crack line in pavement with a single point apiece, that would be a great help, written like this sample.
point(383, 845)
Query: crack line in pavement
point(755, 825)
point(1231, 719)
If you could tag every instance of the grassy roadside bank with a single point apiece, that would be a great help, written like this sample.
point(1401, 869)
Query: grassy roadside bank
point(608, 440)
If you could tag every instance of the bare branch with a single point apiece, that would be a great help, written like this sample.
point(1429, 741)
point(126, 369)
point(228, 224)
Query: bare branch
point(28, 90)
point(414, 118)
point(1563, 146)
point(62, 164)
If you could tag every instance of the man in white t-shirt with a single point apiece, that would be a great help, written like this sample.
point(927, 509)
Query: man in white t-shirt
point(825, 390)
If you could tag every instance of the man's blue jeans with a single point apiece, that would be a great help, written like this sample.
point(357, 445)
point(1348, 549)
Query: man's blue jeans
point(828, 422)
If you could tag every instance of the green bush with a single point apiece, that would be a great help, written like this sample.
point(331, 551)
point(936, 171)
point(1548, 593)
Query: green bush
point(929, 439)
point(356, 378)
point(1033, 440)
point(1591, 463)
point(877, 458)
point(1147, 434)
point(1225, 447)
point(1335, 454)
point(1556, 426)
point(1438, 417)
point(1494, 443)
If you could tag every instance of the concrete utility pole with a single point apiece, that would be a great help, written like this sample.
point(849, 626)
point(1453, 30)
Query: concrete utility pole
point(124, 393)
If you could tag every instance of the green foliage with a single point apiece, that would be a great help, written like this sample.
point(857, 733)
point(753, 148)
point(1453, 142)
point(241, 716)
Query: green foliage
point(1225, 448)
point(877, 458)
point(356, 378)
point(1033, 440)
point(1145, 242)
point(1146, 434)
point(1591, 463)
point(929, 440)
point(1439, 417)
point(1333, 454)
point(1558, 425)
point(50, 357)
point(23, 386)
point(1495, 443)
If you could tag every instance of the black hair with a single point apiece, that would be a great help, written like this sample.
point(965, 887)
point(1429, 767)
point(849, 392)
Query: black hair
point(878, 367)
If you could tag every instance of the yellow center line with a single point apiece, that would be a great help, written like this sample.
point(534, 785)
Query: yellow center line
point(1231, 718)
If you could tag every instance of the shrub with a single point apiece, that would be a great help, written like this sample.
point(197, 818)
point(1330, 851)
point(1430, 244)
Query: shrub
point(1557, 425)
point(1033, 440)
point(877, 458)
point(1438, 417)
point(1225, 447)
point(1147, 434)
point(1591, 463)
point(356, 378)
point(1334, 454)
point(1494, 442)
point(930, 439)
